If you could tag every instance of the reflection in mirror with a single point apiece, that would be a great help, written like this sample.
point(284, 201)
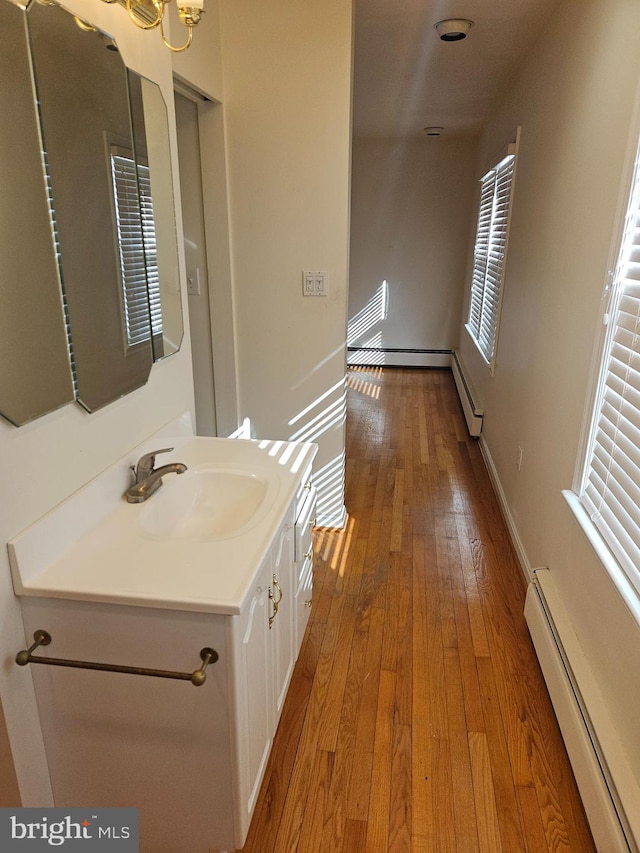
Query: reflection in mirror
point(90, 291)
point(153, 158)
point(35, 372)
point(81, 85)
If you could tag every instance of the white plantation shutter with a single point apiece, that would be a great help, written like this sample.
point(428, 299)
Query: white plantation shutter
point(137, 249)
point(150, 249)
point(481, 253)
point(611, 490)
point(489, 256)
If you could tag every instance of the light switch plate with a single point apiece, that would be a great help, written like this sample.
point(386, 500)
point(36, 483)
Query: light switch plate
point(314, 283)
point(193, 282)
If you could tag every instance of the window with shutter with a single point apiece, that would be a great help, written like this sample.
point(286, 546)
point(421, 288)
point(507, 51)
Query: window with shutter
point(610, 489)
point(489, 256)
point(136, 247)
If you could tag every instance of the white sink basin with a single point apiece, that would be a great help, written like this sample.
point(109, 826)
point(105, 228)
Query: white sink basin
point(195, 544)
point(204, 504)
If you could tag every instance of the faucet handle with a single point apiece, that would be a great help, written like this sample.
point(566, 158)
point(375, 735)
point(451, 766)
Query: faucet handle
point(147, 462)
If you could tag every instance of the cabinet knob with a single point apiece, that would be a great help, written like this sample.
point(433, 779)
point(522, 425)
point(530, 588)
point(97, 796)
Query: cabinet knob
point(308, 603)
point(309, 554)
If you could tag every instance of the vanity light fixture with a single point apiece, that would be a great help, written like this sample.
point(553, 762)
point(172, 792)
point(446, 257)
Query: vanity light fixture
point(149, 14)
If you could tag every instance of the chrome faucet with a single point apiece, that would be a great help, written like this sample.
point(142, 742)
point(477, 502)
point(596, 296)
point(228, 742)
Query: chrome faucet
point(148, 477)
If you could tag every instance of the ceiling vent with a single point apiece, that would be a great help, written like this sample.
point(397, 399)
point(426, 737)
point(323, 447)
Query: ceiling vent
point(453, 29)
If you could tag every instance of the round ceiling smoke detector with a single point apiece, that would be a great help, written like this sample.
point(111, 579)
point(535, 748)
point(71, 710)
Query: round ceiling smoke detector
point(433, 131)
point(453, 29)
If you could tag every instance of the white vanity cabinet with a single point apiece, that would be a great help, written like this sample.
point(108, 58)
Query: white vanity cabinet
point(190, 758)
point(263, 648)
point(162, 746)
point(267, 639)
point(219, 559)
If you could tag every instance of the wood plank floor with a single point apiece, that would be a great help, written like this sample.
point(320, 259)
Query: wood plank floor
point(417, 718)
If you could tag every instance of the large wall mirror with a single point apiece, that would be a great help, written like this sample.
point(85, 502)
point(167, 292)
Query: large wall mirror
point(90, 288)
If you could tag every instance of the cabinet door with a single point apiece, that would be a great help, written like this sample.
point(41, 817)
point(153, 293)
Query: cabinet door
point(304, 565)
point(255, 724)
point(282, 616)
point(304, 595)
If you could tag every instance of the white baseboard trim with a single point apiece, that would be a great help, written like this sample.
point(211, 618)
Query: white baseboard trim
point(473, 414)
point(516, 541)
point(575, 699)
point(396, 357)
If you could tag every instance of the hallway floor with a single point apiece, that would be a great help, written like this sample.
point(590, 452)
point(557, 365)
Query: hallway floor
point(417, 718)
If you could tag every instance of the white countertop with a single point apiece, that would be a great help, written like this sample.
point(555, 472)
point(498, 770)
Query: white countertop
point(92, 547)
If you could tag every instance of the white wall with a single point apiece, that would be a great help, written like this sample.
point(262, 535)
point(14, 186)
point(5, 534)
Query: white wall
point(45, 461)
point(575, 100)
point(286, 69)
point(201, 65)
point(411, 216)
point(287, 81)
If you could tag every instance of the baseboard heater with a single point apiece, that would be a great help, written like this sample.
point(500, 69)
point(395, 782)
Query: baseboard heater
point(397, 357)
point(609, 824)
point(473, 414)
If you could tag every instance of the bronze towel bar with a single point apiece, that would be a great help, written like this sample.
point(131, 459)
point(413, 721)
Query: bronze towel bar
point(43, 638)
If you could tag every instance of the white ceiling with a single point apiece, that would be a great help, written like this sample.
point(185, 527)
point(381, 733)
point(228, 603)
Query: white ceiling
point(405, 78)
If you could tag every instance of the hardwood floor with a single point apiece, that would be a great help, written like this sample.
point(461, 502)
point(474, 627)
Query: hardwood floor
point(417, 718)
